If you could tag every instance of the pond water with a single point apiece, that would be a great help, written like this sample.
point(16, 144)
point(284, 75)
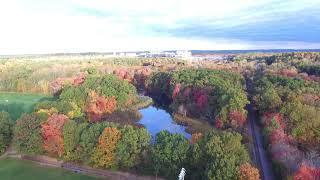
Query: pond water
point(156, 120)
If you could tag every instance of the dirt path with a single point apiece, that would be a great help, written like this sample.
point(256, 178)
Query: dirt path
point(260, 155)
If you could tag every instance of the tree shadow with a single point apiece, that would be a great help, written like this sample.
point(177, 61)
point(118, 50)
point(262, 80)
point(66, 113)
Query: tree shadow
point(15, 109)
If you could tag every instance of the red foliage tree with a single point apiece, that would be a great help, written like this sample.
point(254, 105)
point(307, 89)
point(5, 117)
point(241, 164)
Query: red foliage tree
point(218, 123)
point(237, 118)
point(307, 173)
point(201, 98)
point(56, 85)
point(277, 117)
point(123, 74)
point(78, 80)
point(277, 135)
point(176, 91)
point(99, 105)
point(289, 72)
point(52, 134)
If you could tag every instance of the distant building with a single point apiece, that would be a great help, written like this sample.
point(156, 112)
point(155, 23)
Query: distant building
point(183, 54)
point(153, 54)
point(125, 54)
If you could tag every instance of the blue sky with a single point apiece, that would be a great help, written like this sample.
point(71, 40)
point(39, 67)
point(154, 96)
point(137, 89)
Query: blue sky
point(45, 26)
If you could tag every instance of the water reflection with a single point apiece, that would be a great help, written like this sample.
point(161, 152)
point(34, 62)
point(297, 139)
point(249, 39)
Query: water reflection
point(156, 120)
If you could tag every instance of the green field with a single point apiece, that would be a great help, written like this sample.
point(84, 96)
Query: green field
point(11, 169)
point(17, 103)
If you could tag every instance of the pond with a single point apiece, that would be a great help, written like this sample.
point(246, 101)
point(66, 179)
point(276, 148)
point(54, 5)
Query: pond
point(156, 120)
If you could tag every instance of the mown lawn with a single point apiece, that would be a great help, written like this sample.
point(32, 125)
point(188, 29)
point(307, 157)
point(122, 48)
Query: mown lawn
point(17, 103)
point(11, 169)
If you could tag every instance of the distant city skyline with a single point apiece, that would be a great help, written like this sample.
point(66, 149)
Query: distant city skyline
point(66, 26)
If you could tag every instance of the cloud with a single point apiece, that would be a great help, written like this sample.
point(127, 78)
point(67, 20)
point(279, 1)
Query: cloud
point(36, 26)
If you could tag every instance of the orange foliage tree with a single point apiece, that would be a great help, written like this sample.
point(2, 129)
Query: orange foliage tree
point(104, 153)
point(100, 105)
point(248, 172)
point(195, 137)
point(52, 134)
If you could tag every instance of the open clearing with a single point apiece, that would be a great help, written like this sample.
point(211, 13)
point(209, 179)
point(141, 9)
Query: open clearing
point(11, 169)
point(17, 103)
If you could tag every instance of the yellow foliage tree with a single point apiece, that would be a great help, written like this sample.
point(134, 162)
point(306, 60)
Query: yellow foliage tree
point(104, 153)
point(49, 112)
point(248, 172)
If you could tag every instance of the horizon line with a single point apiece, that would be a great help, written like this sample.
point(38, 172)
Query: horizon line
point(103, 52)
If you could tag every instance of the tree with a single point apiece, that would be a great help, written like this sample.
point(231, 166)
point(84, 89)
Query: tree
point(266, 98)
point(111, 86)
point(217, 155)
point(196, 137)
point(27, 134)
point(89, 138)
point(6, 126)
point(70, 141)
point(211, 94)
point(304, 122)
point(73, 151)
point(99, 106)
point(237, 118)
point(307, 173)
point(52, 134)
point(169, 153)
point(104, 154)
point(133, 142)
point(248, 172)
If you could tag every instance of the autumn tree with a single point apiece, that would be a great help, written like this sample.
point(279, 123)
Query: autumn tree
point(27, 134)
point(89, 136)
point(306, 172)
point(111, 86)
point(6, 126)
point(237, 118)
point(210, 94)
point(104, 153)
point(196, 137)
point(248, 172)
point(98, 106)
point(52, 134)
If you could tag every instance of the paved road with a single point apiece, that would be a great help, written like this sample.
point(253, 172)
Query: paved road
point(260, 155)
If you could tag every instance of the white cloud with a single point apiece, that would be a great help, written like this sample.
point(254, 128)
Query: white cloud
point(37, 26)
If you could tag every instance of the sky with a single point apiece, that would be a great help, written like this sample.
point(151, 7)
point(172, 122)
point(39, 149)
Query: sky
point(56, 26)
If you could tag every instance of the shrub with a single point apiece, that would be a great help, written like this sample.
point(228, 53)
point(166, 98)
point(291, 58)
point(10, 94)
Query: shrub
point(6, 126)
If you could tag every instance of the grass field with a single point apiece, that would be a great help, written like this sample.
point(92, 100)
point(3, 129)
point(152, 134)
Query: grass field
point(11, 169)
point(18, 103)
